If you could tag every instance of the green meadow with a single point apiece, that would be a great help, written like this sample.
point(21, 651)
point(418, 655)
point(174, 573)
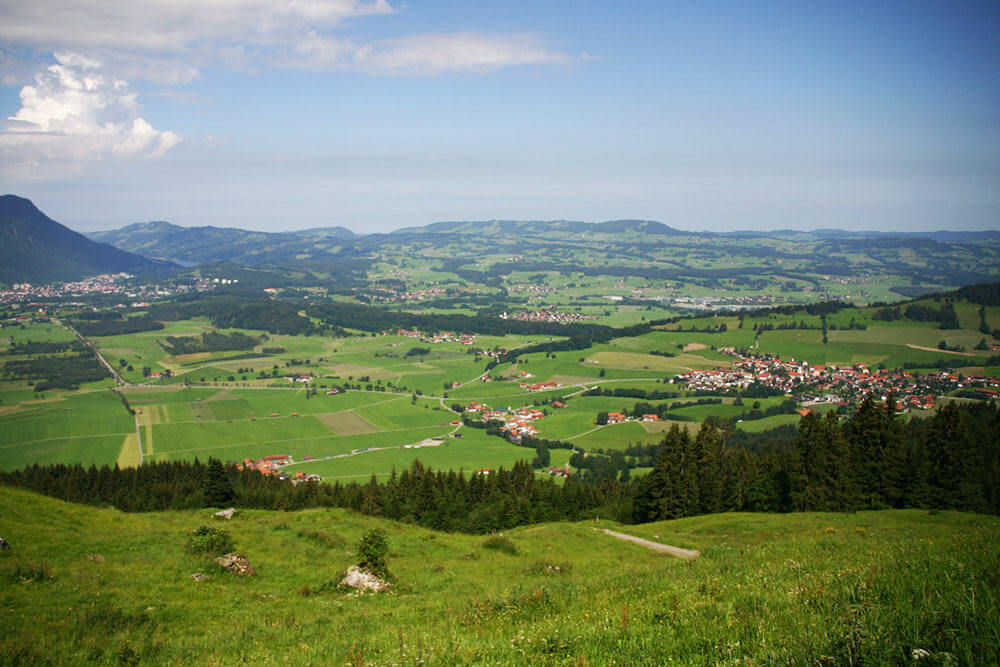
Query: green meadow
point(811, 588)
point(86, 427)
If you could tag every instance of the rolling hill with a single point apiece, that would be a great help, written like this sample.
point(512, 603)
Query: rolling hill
point(34, 248)
point(197, 245)
point(813, 588)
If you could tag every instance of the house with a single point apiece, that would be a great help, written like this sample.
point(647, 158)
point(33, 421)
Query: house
point(556, 471)
point(804, 412)
point(558, 404)
point(616, 418)
point(484, 471)
point(651, 418)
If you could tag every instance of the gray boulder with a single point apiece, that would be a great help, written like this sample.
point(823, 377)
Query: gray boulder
point(236, 564)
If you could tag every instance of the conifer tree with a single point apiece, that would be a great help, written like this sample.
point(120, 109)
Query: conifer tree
point(217, 487)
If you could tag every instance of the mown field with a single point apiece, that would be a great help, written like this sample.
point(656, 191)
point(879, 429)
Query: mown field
point(88, 427)
point(863, 588)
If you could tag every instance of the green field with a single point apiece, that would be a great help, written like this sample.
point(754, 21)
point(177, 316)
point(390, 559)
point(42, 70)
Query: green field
point(863, 588)
point(79, 428)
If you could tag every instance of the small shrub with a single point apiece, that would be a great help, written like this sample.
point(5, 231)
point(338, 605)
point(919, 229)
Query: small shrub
point(500, 543)
point(210, 541)
point(371, 552)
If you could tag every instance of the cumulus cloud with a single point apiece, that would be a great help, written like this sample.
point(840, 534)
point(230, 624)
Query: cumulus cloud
point(73, 114)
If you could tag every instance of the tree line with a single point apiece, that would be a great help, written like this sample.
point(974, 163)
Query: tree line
point(870, 461)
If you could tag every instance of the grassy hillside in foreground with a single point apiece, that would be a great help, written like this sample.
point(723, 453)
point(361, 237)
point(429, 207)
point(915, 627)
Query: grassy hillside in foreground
point(869, 587)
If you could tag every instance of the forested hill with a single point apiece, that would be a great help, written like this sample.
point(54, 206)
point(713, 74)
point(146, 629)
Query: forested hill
point(536, 227)
point(224, 244)
point(34, 248)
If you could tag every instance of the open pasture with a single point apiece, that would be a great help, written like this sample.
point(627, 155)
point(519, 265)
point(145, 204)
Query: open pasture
point(472, 451)
point(78, 428)
point(36, 332)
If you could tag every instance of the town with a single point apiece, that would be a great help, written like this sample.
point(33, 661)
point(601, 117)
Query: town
point(106, 284)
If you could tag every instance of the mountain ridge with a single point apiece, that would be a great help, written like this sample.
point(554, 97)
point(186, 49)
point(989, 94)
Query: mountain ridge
point(36, 248)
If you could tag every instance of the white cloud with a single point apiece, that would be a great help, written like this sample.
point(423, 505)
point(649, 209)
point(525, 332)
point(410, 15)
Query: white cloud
point(71, 115)
point(455, 52)
point(170, 41)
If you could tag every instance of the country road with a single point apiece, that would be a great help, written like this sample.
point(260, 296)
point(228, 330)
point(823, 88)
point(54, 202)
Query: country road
point(100, 357)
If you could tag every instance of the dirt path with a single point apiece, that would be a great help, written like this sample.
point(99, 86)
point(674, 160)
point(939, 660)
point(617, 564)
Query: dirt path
point(677, 552)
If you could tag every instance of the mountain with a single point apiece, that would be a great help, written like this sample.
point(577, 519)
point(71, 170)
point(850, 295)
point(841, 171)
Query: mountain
point(328, 232)
point(531, 227)
point(36, 249)
point(197, 245)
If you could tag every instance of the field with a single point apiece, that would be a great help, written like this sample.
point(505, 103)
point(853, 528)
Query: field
point(83, 428)
point(863, 588)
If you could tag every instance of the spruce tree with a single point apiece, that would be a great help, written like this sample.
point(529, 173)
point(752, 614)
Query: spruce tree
point(217, 487)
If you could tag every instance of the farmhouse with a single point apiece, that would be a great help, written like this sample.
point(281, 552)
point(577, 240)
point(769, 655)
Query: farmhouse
point(616, 418)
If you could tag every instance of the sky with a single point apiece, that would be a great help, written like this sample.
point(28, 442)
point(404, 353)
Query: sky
point(377, 114)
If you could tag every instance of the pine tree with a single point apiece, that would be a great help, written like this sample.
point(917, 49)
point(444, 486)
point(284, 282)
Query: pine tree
point(217, 487)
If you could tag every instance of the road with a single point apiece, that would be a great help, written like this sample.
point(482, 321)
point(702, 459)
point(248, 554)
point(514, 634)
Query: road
point(100, 357)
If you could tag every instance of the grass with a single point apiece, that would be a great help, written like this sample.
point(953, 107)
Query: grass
point(77, 428)
point(870, 587)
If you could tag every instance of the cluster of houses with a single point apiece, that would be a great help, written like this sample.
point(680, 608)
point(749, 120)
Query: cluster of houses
point(621, 418)
point(272, 465)
point(539, 386)
point(815, 384)
point(464, 339)
point(392, 294)
point(547, 315)
point(517, 423)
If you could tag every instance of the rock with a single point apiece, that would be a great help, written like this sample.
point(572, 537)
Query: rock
point(226, 514)
point(236, 564)
point(96, 558)
point(3, 545)
point(363, 580)
point(199, 577)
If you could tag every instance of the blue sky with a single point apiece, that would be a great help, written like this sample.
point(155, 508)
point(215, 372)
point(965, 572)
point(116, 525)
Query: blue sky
point(375, 115)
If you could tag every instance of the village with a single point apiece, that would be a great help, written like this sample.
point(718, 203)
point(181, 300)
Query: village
point(464, 339)
point(272, 465)
point(815, 384)
point(547, 315)
point(104, 284)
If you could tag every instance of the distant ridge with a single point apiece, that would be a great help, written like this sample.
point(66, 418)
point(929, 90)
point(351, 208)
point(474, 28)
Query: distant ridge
point(493, 227)
point(36, 249)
